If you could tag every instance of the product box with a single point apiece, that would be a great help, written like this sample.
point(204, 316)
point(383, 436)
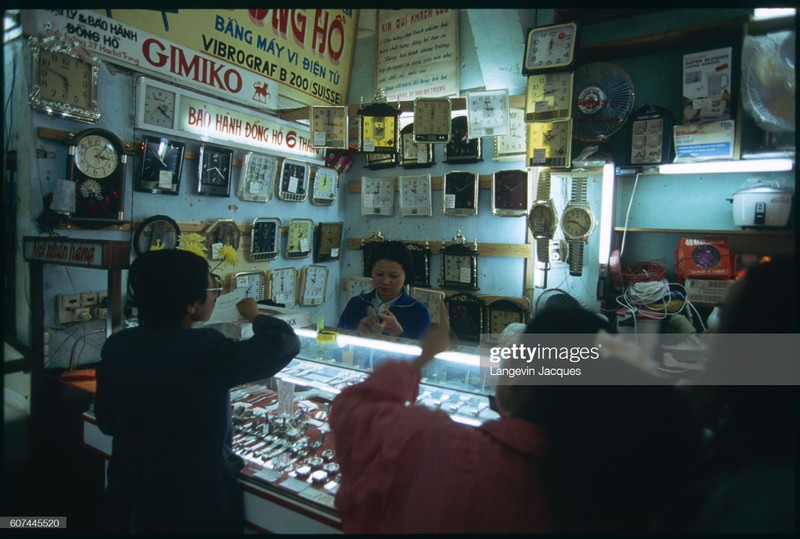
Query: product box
point(707, 86)
point(244, 330)
point(704, 142)
point(703, 258)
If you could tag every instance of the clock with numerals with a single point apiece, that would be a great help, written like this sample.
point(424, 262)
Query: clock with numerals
point(548, 97)
point(96, 162)
point(487, 112)
point(467, 315)
point(513, 145)
point(326, 186)
point(293, 181)
point(412, 154)
point(549, 144)
point(257, 177)
point(550, 47)
point(329, 127)
point(301, 237)
point(162, 160)
point(252, 282)
point(265, 239)
point(282, 286)
point(313, 285)
point(159, 105)
point(421, 256)
point(432, 119)
point(214, 175)
point(462, 148)
point(415, 195)
point(378, 126)
point(377, 196)
point(357, 285)
point(510, 193)
point(328, 241)
point(460, 190)
point(433, 300)
point(459, 264)
point(502, 312)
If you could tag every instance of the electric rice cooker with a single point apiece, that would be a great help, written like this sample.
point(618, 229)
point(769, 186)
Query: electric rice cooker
point(761, 206)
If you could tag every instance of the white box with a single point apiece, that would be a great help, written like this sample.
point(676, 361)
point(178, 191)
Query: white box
point(707, 88)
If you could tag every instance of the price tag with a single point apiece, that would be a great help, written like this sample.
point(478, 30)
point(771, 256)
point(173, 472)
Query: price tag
point(369, 145)
point(464, 275)
point(369, 201)
point(450, 201)
point(165, 179)
point(319, 138)
point(293, 184)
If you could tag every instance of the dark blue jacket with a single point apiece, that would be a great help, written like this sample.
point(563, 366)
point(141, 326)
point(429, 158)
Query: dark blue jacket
point(412, 314)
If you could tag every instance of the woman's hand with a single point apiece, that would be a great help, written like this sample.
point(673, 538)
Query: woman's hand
point(248, 308)
point(389, 323)
point(437, 340)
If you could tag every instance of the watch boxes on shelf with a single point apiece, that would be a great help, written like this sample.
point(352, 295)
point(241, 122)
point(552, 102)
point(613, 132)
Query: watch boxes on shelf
point(704, 258)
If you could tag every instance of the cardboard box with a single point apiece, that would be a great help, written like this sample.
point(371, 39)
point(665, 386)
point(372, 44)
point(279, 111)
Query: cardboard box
point(704, 142)
point(703, 258)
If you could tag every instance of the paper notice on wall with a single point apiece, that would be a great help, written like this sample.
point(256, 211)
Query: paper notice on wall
point(707, 86)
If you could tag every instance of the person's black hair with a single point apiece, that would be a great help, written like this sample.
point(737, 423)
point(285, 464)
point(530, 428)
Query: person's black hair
point(396, 251)
point(164, 282)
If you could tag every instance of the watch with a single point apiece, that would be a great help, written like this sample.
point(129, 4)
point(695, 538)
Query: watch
point(460, 190)
point(466, 314)
point(377, 161)
point(156, 104)
point(65, 79)
point(257, 177)
point(415, 195)
point(293, 181)
point(158, 231)
point(301, 238)
point(282, 286)
point(328, 241)
point(432, 119)
point(421, 256)
point(549, 144)
point(510, 193)
point(548, 97)
point(502, 312)
point(215, 171)
point(326, 186)
point(513, 145)
point(221, 233)
point(412, 154)
point(459, 264)
point(330, 127)
point(252, 282)
point(357, 285)
point(377, 196)
point(577, 221)
point(265, 239)
point(550, 47)
point(378, 126)
point(313, 285)
point(162, 160)
point(542, 220)
point(432, 300)
point(487, 112)
point(96, 162)
point(462, 148)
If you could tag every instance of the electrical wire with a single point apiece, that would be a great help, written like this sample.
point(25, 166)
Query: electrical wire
point(627, 216)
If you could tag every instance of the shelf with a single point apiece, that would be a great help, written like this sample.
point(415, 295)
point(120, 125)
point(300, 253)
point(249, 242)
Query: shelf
point(721, 232)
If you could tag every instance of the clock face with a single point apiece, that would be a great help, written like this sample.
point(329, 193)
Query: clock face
point(487, 112)
point(415, 195)
point(462, 148)
point(158, 231)
point(510, 193)
point(515, 143)
point(162, 160)
point(412, 154)
point(460, 193)
point(466, 316)
point(96, 156)
point(432, 299)
point(550, 47)
point(329, 127)
point(577, 222)
point(326, 186)
point(301, 232)
point(257, 176)
point(159, 107)
point(215, 171)
point(222, 232)
point(328, 241)
point(431, 120)
point(96, 162)
point(499, 319)
point(549, 97)
point(377, 196)
point(458, 269)
point(357, 285)
point(315, 281)
point(421, 256)
point(379, 134)
point(252, 282)
point(542, 220)
point(293, 183)
point(549, 144)
point(282, 286)
point(265, 239)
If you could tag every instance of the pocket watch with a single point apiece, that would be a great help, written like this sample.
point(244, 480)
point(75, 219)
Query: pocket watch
point(329, 127)
point(301, 237)
point(326, 186)
point(282, 286)
point(257, 177)
point(162, 160)
point(293, 181)
point(432, 299)
point(510, 193)
point(377, 161)
point(462, 148)
point(222, 232)
point(357, 285)
point(328, 241)
point(96, 162)
point(252, 282)
point(466, 313)
point(460, 193)
point(542, 220)
point(577, 222)
point(432, 119)
point(548, 97)
point(377, 196)
point(265, 239)
point(421, 256)
point(459, 264)
point(215, 171)
point(313, 285)
point(413, 155)
point(513, 145)
point(157, 104)
point(65, 79)
point(378, 126)
point(157, 231)
point(505, 311)
point(549, 144)
point(487, 113)
point(550, 47)
point(415, 195)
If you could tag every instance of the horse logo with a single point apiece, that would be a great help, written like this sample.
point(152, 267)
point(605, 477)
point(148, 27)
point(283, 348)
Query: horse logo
point(261, 92)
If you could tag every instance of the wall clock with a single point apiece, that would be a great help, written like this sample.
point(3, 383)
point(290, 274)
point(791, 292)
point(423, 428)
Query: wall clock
point(65, 78)
point(157, 104)
point(433, 299)
point(462, 148)
point(368, 247)
point(548, 97)
point(413, 155)
point(313, 285)
point(257, 177)
point(459, 264)
point(542, 220)
point(415, 195)
point(162, 161)
point(301, 238)
point(467, 315)
point(157, 231)
point(577, 222)
point(550, 47)
point(502, 312)
point(328, 241)
point(513, 145)
point(377, 161)
point(326, 186)
point(214, 175)
point(432, 120)
point(282, 286)
point(549, 144)
point(357, 285)
point(377, 196)
point(330, 127)
point(510, 193)
point(293, 181)
point(252, 282)
point(378, 126)
point(487, 113)
point(265, 239)
point(96, 162)
point(460, 190)
point(222, 232)
point(421, 256)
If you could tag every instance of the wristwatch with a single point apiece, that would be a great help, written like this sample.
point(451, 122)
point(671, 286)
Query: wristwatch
point(577, 221)
point(542, 219)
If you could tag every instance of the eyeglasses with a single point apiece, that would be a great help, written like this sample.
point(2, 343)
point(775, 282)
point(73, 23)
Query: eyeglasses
point(217, 289)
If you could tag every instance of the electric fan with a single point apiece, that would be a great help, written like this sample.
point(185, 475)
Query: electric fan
point(603, 100)
point(768, 80)
point(555, 297)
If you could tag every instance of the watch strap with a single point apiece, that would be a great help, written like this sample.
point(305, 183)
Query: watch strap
point(579, 186)
point(576, 258)
point(543, 185)
point(543, 251)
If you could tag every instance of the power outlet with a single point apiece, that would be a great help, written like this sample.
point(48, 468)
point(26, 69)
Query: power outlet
point(559, 250)
point(81, 307)
point(66, 304)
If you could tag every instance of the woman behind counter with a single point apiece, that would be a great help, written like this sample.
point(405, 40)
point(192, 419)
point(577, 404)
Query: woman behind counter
point(388, 309)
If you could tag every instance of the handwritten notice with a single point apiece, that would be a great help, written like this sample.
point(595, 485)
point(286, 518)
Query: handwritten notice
point(417, 53)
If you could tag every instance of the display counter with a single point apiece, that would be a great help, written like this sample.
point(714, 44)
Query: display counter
point(281, 430)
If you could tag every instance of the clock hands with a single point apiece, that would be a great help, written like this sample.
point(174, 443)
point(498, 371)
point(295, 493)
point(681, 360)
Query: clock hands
point(163, 164)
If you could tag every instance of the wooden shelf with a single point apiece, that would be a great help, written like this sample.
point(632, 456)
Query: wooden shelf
point(721, 232)
point(511, 250)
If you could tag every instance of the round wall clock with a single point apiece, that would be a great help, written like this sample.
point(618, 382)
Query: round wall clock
point(158, 231)
point(96, 162)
